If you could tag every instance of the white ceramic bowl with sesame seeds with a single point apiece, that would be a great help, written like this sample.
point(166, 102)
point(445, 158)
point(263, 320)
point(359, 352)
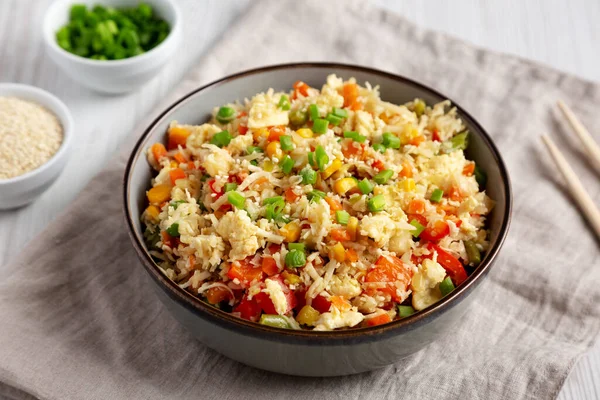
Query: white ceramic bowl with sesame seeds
point(112, 76)
point(23, 189)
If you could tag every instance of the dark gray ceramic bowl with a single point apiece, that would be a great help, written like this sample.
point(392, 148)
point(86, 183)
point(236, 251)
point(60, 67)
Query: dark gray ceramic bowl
point(305, 352)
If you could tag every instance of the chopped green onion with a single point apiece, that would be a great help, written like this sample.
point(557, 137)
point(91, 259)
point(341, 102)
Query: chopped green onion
point(376, 203)
point(473, 252)
point(419, 107)
point(316, 195)
point(173, 230)
point(276, 321)
point(313, 111)
point(320, 126)
point(254, 149)
point(284, 102)
point(460, 141)
point(480, 177)
point(236, 199)
point(391, 141)
point(405, 311)
point(321, 157)
point(342, 217)
point(446, 286)
point(383, 176)
point(221, 139)
point(419, 228)
point(309, 176)
point(286, 142)
point(333, 119)
point(295, 259)
point(272, 200)
point(311, 158)
point(339, 112)
point(254, 162)
point(365, 186)
point(379, 147)
point(357, 137)
point(230, 186)
point(287, 164)
point(437, 195)
point(273, 211)
point(296, 246)
point(298, 117)
point(176, 203)
point(225, 114)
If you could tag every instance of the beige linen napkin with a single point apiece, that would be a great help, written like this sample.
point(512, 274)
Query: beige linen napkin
point(79, 320)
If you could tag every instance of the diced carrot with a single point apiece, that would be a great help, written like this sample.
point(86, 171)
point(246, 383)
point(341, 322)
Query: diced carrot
point(275, 132)
point(356, 106)
point(300, 88)
point(158, 151)
point(379, 320)
point(242, 129)
point(469, 169)
point(176, 174)
point(179, 158)
point(417, 140)
point(191, 165)
point(269, 266)
point(407, 170)
point(159, 194)
point(351, 255)
point(242, 114)
point(416, 206)
point(334, 205)
point(217, 294)
point(290, 195)
point(438, 230)
point(349, 150)
point(260, 181)
point(166, 239)
point(435, 136)
point(378, 165)
point(350, 93)
point(454, 194)
point(390, 270)
point(244, 272)
point(178, 137)
point(340, 303)
point(340, 235)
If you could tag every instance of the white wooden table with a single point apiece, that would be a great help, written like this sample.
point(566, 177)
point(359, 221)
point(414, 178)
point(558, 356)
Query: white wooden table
point(561, 33)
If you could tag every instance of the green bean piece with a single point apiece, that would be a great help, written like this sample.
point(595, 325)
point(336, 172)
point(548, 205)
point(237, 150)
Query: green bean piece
point(473, 252)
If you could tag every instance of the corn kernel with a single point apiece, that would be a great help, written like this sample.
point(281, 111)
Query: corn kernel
point(174, 164)
point(344, 185)
point(159, 194)
point(291, 231)
point(260, 133)
point(339, 253)
point(352, 227)
point(335, 165)
point(274, 150)
point(152, 213)
point(268, 165)
point(408, 185)
point(305, 133)
point(291, 279)
point(308, 316)
point(340, 303)
point(408, 134)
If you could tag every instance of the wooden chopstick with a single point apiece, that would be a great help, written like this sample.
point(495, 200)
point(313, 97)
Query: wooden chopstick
point(582, 198)
point(588, 142)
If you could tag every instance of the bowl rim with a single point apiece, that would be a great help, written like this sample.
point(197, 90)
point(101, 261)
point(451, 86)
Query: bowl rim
point(66, 124)
point(47, 34)
point(231, 322)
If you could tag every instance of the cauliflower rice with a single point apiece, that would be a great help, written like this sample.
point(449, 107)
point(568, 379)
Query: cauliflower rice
point(318, 209)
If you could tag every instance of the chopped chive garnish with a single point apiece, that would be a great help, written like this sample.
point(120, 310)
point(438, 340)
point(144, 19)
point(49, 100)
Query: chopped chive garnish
point(446, 286)
point(295, 259)
point(437, 195)
point(225, 114)
point(272, 200)
point(176, 203)
point(276, 321)
point(287, 164)
point(357, 137)
point(376, 203)
point(391, 141)
point(473, 252)
point(173, 230)
point(284, 103)
point(296, 246)
point(321, 158)
point(333, 119)
point(316, 195)
point(254, 162)
point(309, 176)
point(311, 158)
point(419, 228)
point(405, 311)
point(254, 149)
point(313, 112)
point(342, 217)
point(460, 141)
point(273, 210)
point(339, 112)
point(221, 139)
point(320, 126)
point(379, 147)
point(286, 142)
point(236, 199)
point(230, 186)
point(365, 186)
point(383, 176)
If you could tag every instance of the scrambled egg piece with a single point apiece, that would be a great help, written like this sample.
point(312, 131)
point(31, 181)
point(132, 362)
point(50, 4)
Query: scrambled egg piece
point(208, 249)
point(218, 162)
point(337, 319)
point(320, 218)
point(239, 144)
point(344, 285)
point(264, 111)
point(187, 216)
point(200, 135)
point(385, 230)
point(364, 123)
point(425, 284)
point(276, 295)
point(237, 227)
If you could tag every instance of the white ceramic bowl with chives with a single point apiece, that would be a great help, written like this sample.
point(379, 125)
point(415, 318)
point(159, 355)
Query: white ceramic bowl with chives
point(112, 76)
